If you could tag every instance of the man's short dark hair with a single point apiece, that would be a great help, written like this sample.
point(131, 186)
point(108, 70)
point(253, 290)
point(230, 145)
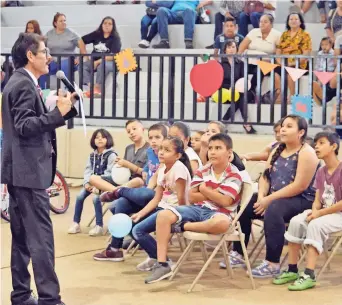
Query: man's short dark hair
point(227, 140)
point(25, 42)
point(132, 121)
point(160, 127)
point(230, 19)
point(105, 134)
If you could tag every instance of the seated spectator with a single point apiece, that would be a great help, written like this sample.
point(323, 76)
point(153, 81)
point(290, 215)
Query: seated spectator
point(135, 159)
point(252, 13)
point(333, 119)
point(61, 40)
point(230, 49)
point(265, 153)
point(294, 41)
point(326, 48)
point(182, 12)
point(313, 226)
point(301, 6)
point(32, 26)
point(323, 10)
point(182, 131)
point(6, 71)
point(262, 40)
point(285, 190)
point(173, 182)
point(214, 197)
point(334, 23)
point(229, 33)
point(150, 20)
point(331, 86)
point(11, 3)
point(196, 141)
point(100, 163)
point(228, 9)
point(105, 39)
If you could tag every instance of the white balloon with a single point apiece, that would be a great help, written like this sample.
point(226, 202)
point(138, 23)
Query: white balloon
point(120, 175)
point(240, 85)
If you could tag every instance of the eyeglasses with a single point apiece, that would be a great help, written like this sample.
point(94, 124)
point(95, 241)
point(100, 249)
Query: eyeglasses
point(46, 51)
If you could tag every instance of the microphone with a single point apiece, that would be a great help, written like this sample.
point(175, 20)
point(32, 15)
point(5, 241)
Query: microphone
point(60, 75)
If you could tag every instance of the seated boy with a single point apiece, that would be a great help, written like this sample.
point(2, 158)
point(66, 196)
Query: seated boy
point(215, 195)
point(135, 158)
point(312, 227)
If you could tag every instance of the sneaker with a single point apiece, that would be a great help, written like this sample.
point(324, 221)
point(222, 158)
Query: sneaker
point(147, 264)
point(97, 94)
point(74, 229)
point(189, 44)
point(109, 255)
point(144, 44)
point(108, 196)
point(96, 231)
point(285, 277)
point(32, 300)
point(234, 261)
point(210, 47)
point(302, 283)
point(159, 273)
point(163, 44)
point(265, 270)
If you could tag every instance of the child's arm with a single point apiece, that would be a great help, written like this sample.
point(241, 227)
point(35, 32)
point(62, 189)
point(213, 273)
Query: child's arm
point(196, 196)
point(337, 207)
point(180, 189)
point(258, 156)
point(132, 167)
point(152, 183)
point(150, 206)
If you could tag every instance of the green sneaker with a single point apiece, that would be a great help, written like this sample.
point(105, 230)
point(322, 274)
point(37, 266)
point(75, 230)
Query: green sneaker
point(285, 277)
point(304, 282)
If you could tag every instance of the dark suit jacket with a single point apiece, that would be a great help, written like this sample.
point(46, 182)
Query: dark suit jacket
point(28, 134)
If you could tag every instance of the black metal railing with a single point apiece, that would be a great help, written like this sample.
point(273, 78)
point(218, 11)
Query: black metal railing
point(142, 94)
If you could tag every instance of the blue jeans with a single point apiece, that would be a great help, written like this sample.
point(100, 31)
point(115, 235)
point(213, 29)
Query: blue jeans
point(321, 5)
point(100, 77)
point(141, 234)
point(79, 207)
point(132, 200)
point(245, 19)
point(147, 21)
point(53, 68)
point(166, 17)
point(196, 213)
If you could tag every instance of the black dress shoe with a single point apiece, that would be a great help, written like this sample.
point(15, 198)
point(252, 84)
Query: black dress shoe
point(32, 300)
point(210, 47)
point(163, 44)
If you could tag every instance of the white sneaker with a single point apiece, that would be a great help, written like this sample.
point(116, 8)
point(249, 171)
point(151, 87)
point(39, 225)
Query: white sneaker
point(74, 229)
point(147, 264)
point(96, 231)
point(144, 44)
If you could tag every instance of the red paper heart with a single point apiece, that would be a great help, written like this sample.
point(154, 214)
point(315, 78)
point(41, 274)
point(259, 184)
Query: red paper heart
point(300, 107)
point(206, 78)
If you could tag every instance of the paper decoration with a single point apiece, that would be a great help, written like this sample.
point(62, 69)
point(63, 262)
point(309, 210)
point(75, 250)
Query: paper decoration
point(324, 77)
point(266, 67)
point(302, 105)
point(205, 57)
point(206, 78)
point(295, 73)
point(125, 61)
point(240, 85)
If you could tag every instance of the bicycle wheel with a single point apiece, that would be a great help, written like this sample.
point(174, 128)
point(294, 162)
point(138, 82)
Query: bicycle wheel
point(4, 203)
point(59, 194)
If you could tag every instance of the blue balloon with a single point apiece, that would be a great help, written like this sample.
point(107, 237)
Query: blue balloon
point(120, 225)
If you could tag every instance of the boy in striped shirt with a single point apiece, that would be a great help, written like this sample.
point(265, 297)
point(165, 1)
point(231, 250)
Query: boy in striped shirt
point(215, 196)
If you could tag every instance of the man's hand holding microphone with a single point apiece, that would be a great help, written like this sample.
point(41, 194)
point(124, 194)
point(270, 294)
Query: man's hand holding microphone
point(65, 101)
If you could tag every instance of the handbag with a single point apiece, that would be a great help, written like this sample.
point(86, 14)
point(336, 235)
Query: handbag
point(253, 6)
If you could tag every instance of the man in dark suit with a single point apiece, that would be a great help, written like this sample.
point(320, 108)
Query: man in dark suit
point(28, 167)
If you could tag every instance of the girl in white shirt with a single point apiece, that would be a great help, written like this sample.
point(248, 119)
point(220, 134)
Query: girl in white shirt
point(173, 184)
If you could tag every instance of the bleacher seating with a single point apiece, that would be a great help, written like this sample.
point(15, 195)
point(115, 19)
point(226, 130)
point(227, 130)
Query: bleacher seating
point(84, 18)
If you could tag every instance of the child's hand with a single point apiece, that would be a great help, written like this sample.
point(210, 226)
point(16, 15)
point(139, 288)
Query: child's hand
point(144, 176)
point(205, 140)
point(88, 187)
point(136, 217)
point(121, 162)
point(313, 215)
point(95, 191)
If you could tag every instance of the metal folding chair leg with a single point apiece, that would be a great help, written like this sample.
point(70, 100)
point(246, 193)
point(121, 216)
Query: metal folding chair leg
point(229, 268)
point(332, 254)
point(258, 253)
point(206, 264)
point(204, 251)
point(183, 258)
point(135, 250)
point(131, 245)
point(103, 214)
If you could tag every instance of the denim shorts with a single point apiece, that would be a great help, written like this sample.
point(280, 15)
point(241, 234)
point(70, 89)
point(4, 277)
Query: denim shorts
point(109, 179)
point(196, 213)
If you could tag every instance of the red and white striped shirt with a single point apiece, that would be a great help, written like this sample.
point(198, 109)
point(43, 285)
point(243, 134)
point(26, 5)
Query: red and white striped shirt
point(229, 184)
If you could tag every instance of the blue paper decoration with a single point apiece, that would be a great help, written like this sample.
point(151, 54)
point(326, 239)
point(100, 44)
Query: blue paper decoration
point(302, 105)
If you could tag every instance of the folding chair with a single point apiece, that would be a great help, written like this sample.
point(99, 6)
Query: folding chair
point(234, 233)
point(336, 244)
point(104, 211)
